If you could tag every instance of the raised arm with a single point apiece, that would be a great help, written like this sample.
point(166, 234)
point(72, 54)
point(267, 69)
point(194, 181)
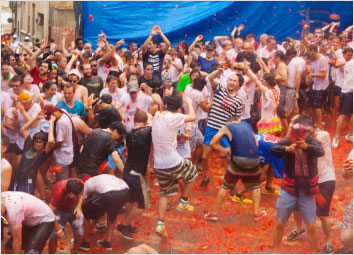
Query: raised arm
point(50, 142)
point(303, 35)
point(24, 129)
point(164, 38)
point(192, 46)
point(333, 26)
point(30, 53)
point(32, 59)
point(148, 40)
point(233, 35)
point(212, 76)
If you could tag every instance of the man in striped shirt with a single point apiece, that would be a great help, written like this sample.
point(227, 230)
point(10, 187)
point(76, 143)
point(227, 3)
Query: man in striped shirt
point(226, 104)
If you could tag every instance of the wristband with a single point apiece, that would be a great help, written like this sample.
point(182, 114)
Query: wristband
point(59, 231)
point(90, 107)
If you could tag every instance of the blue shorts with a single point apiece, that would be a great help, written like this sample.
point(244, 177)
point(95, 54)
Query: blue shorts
point(346, 104)
point(63, 217)
point(287, 204)
point(210, 133)
point(317, 98)
point(110, 160)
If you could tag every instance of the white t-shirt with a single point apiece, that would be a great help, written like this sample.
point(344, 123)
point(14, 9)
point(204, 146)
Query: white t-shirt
point(270, 101)
point(347, 86)
point(196, 97)
point(142, 103)
point(6, 100)
point(103, 71)
point(35, 109)
point(174, 71)
point(320, 64)
point(231, 55)
point(264, 53)
point(12, 135)
point(103, 183)
point(183, 146)
point(65, 154)
point(324, 163)
point(164, 138)
point(340, 74)
point(24, 208)
point(120, 62)
point(115, 95)
point(297, 64)
point(246, 107)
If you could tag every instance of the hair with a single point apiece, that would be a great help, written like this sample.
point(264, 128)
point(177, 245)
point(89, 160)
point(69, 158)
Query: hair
point(18, 70)
point(336, 37)
point(128, 56)
point(250, 34)
point(241, 80)
point(148, 64)
point(173, 103)
point(154, 40)
point(130, 75)
point(40, 136)
point(195, 71)
point(280, 54)
point(140, 117)
point(78, 39)
point(270, 79)
point(49, 63)
point(309, 55)
point(114, 73)
point(199, 83)
point(304, 120)
point(313, 47)
point(255, 67)
point(74, 186)
point(16, 78)
point(48, 84)
point(5, 141)
point(69, 86)
point(269, 39)
point(7, 57)
point(111, 78)
point(5, 63)
point(194, 64)
point(347, 50)
point(92, 60)
point(131, 43)
point(119, 127)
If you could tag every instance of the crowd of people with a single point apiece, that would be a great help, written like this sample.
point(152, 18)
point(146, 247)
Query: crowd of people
point(91, 126)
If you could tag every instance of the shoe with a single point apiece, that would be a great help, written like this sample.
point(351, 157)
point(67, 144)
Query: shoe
point(84, 246)
point(233, 192)
point(133, 229)
point(241, 199)
point(125, 231)
point(185, 207)
point(102, 228)
point(294, 234)
point(210, 217)
point(161, 231)
point(270, 191)
point(204, 183)
point(335, 143)
point(105, 244)
point(349, 137)
point(328, 248)
point(260, 215)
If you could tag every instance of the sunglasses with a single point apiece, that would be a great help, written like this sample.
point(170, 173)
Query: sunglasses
point(210, 50)
point(15, 86)
point(71, 81)
point(93, 65)
point(149, 69)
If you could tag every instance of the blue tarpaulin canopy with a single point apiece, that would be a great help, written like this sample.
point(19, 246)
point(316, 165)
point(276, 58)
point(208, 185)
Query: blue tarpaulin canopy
point(184, 20)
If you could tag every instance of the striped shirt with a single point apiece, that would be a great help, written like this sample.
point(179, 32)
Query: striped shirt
point(223, 108)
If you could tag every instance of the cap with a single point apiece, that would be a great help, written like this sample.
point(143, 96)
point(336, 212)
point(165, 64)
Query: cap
point(14, 36)
point(133, 86)
point(105, 98)
point(75, 72)
point(210, 46)
point(24, 98)
point(27, 38)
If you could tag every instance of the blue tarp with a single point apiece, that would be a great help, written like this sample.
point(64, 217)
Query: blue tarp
point(186, 20)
